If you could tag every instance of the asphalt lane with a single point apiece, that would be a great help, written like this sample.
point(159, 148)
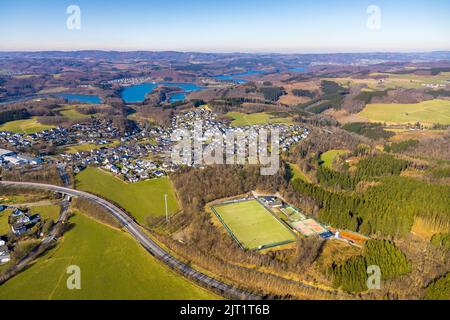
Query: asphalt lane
point(151, 246)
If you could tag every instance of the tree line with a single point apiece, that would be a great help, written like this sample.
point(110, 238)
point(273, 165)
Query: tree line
point(13, 115)
point(388, 207)
point(352, 275)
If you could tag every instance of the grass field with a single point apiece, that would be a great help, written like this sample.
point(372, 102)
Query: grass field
point(329, 156)
point(142, 199)
point(113, 266)
point(46, 212)
point(24, 126)
point(253, 225)
point(4, 226)
point(242, 119)
point(393, 81)
point(426, 112)
point(88, 147)
point(54, 90)
point(71, 113)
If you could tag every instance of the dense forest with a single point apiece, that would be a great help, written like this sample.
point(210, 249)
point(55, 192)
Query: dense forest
point(369, 130)
point(272, 93)
point(367, 96)
point(12, 115)
point(388, 207)
point(198, 187)
point(442, 241)
point(439, 289)
point(401, 146)
point(352, 275)
point(380, 165)
point(303, 93)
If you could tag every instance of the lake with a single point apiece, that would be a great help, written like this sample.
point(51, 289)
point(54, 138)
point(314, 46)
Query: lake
point(300, 70)
point(237, 77)
point(82, 98)
point(137, 93)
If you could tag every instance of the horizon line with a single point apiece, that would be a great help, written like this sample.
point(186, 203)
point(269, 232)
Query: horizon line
point(227, 52)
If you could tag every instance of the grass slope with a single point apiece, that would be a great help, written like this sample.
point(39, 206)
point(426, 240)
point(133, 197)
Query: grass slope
point(113, 266)
point(24, 126)
point(298, 173)
point(253, 225)
point(72, 113)
point(329, 156)
point(426, 112)
point(142, 199)
point(46, 212)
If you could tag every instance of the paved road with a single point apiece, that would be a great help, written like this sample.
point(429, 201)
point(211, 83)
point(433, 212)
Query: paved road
point(152, 247)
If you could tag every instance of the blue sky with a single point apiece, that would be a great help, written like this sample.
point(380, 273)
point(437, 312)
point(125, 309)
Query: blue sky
point(226, 25)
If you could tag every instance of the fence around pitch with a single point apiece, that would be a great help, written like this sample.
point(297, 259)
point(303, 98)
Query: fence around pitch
point(226, 227)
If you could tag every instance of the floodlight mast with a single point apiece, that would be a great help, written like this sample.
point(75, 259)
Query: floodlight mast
point(165, 203)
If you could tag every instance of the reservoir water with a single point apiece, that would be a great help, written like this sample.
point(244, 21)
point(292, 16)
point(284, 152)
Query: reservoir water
point(238, 77)
point(137, 93)
point(81, 98)
point(299, 70)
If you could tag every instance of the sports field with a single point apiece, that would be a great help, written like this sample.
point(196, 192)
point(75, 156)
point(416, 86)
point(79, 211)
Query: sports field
point(24, 126)
point(142, 199)
point(426, 112)
point(112, 265)
point(253, 225)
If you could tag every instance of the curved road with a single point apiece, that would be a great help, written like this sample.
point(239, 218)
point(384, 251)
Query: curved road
point(152, 247)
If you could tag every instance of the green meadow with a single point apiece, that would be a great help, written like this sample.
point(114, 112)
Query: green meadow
point(45, 211)
point(87, 147)
point(142, 199)
point(112, 265)
point(393, 81)
point(242, 119)
point(426, 112)
point(27, 126)
point(72, 113)
point(329, 156)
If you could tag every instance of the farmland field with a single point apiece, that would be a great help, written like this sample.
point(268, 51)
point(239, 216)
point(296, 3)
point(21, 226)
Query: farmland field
point(24, 126)
point(253, 225)
point(242, 119)
point(142, 199)
point(112, 264)
point(393, 81)
point(426, 112)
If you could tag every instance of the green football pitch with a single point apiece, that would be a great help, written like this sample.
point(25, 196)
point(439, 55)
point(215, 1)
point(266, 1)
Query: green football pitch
point(253, 225)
